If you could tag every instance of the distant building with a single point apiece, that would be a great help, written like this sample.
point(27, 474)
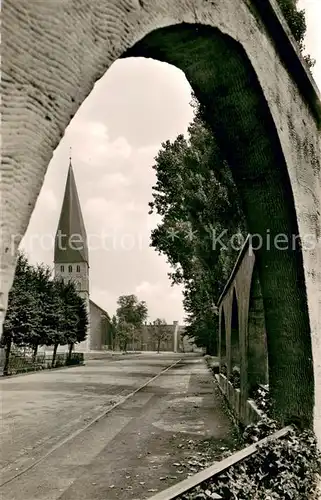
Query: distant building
point(71, 263)
point(146, 339)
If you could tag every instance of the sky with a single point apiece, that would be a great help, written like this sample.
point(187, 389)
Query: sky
point(115, 137)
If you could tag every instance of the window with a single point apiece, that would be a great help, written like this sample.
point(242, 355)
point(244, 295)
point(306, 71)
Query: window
point(62, 268)
point(78, 269)
point(70, 269)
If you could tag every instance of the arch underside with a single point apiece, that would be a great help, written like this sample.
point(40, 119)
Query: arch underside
point(222, 339)
point(235, 335)
point(257, 356)
point(225, 83)
point(227, 87)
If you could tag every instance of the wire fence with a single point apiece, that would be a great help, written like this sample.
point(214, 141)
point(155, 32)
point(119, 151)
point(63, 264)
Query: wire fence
point(24, 363)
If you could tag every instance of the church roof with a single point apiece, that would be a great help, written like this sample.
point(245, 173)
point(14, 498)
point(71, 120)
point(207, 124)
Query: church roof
point(92, 303)
point(71, 239)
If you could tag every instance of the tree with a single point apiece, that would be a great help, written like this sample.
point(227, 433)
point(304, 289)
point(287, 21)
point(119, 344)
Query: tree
point(161, 331)
point(21, 318)
point(113, 330)
point(198, 201)
point(42, 311)
point(297, 24)
point(54, 320)
point(82, 319)
point(40, 284)
point(125, 332)
point(131, 310)
point(131, 314)
point(69, 316)
point(75, 316)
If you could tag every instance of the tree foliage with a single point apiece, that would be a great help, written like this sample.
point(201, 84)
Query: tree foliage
point(131, 310)
point(125, 332)
point(161, 331)
point(130, 317)
point(199, 204)
point(42, 310)
point(113, 330)
point(297, 24)
point(20, 325)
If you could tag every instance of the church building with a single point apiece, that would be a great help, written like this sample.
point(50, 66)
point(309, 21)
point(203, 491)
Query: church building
point(71, 263)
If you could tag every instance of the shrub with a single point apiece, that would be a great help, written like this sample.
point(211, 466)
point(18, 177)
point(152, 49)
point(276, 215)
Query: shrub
point(77, 358)
point(235, 378)
point(262, 399)
point(297, 24)
point(283, 469)
point(215, 367)
point(224, 369)
point(212, 363)
point(260, 430)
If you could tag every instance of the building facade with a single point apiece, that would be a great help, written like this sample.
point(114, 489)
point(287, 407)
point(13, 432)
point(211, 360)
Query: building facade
point(146, 339)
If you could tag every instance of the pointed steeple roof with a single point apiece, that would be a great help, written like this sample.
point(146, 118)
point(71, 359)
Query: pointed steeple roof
point(71, 239)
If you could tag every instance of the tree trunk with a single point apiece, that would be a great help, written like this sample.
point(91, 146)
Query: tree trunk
point(71, 346)
point(35, 351)
point(158, 345)
point(54, 355)
point(7, 357)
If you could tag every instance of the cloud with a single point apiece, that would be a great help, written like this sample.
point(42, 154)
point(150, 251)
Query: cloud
point(97, 206)
point(47, 200)
point(141, 99)
point(103, 298)
point(113, 216)
point(114, 180)
point(163, 301)
point(146, 288)
point(90, 142)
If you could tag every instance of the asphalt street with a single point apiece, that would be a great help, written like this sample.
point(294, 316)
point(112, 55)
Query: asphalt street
point(52, 449)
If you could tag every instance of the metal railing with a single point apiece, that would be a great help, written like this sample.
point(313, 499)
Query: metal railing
point(23, 363)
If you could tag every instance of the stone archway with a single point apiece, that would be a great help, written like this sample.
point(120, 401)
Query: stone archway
point(222, 343)
point(266, 127)
point(257, 349)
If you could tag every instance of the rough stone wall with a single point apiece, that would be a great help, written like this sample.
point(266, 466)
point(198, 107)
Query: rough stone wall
point(239, 286)
point(257, 365)
point(252, 348)
point(55, 50)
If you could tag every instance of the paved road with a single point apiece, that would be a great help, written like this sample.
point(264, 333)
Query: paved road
point(124, 455)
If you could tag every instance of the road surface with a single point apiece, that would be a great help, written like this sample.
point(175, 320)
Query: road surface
point(52, 449)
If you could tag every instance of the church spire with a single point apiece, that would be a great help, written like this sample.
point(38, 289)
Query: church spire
point(71, 239)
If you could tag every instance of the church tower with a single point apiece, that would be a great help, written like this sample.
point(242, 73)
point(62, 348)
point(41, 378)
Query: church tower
point(71, 261)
